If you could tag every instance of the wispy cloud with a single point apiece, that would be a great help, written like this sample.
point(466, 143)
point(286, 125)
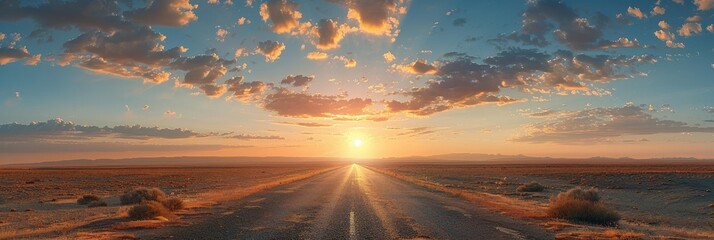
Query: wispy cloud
point(598, 125)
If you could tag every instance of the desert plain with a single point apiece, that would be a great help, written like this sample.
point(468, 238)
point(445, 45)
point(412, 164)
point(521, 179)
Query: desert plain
point(369, 199)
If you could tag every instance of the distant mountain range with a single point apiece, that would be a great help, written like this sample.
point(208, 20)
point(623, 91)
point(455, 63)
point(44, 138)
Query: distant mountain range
point(453, 158)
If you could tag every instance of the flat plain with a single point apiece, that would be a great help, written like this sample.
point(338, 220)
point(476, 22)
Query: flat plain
point(355, 201)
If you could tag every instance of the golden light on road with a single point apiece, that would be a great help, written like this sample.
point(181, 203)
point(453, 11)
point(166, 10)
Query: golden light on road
point(357, 142)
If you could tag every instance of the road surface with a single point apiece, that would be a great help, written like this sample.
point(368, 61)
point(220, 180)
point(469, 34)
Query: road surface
point(354, 202)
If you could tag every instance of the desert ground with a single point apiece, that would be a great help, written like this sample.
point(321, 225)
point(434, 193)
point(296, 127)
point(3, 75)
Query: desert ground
point(654, 201)
point(42, 203)
point(369, 200)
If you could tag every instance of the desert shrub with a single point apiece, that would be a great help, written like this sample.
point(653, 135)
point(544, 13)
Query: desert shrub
point(86, 199)
point(173, 204)
point(148, 210)
point(142, 194)
point(98, 203)
point(530, 187)
point(582, 206)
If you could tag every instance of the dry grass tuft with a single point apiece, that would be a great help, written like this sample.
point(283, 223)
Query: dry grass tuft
point(87, 199)
point(582, 206)
point(148, 210)
point(173, 204)
point(141, 194)
point(530, 187)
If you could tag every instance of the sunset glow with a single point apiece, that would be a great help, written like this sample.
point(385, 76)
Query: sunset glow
point(357, 143)
point(289, 78)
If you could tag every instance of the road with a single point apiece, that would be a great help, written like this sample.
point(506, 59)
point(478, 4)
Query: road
point(354, 202)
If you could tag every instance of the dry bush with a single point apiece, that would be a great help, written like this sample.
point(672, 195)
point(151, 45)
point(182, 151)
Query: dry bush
point(148, 210)
point(86, 199)
point(173, 204)
point(530, 187)
point(582, 206)
point(98, 203)
point(141, 194)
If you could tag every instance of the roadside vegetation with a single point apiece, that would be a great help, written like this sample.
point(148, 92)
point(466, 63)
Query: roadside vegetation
point(150, 203)
point(580, 205)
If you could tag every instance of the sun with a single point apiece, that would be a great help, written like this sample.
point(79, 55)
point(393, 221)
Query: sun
point(357, 142)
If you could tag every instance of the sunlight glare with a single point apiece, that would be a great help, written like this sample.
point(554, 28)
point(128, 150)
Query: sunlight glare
point(357, 143)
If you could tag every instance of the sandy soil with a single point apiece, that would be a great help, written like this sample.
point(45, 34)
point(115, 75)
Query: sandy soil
point(41, 203)
point(662, 201)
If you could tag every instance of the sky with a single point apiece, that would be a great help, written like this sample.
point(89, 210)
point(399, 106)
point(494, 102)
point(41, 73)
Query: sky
point(148, 78)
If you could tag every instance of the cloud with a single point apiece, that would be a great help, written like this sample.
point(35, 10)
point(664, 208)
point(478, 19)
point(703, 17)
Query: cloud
point(689, 29)
point(622, 42)
point(299, 104)
point(283, 14)
point(297, 80)
point(460, 82)
point(635, 12)
point(9, 55)
point(316, 55)
point(663, 25)
point(377, 17)
point(239, 52)
point(270, 49)
point(171, 114)
point(34, 60)
point(94, 147)
point(221, 34)
point(601, 125)
point(202, 69)
point(135, 52)
point(242, 21)
point(330, 34)
point(389, 57)
point(419, 66)
point(164, 12)
point(306, 124)
point(61, 129)
point(710, 28)
point(540, 114)
point(245, 91)
point(417, 131)
point(703, 5)
point(695, 18)
point(88, 14)
point(348, 62)
point(567, 70)
point(214, 91)
point(657, 10)
point(248, 137)
point(113, 39)
point(666, 36)
point(575, 32)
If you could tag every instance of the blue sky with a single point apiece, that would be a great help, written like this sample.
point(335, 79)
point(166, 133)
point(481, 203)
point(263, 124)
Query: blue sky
point(462, 78)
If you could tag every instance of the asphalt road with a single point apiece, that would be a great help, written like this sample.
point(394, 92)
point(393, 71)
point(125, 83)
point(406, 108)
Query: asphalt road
point(354, 202)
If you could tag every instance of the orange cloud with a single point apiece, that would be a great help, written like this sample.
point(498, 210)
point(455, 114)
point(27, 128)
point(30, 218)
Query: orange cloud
point(270, 49)
point(316, 55)
point(283, 14)
point(300, 104)
point(378, 17)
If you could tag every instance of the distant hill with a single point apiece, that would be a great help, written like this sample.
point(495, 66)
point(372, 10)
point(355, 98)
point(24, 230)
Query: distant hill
point(453, 158)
